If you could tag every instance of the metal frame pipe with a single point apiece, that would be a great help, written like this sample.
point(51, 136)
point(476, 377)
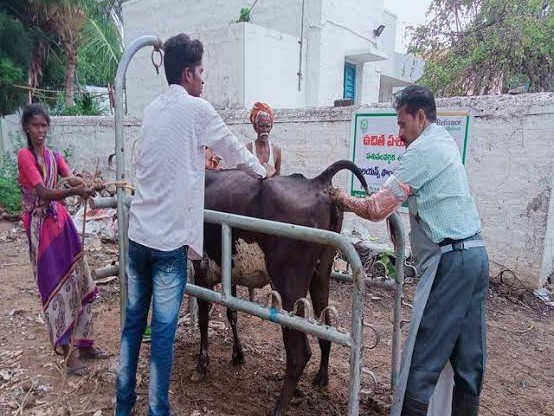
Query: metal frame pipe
point(301, 44)
point(226, 259)
point(305, 234)
point(272, 314)
point(347, 278)
point(356, 330)
point(107, 271)
point(399, 253)
point(321, 236)
point(397, 286)
point(282, 229)
point(109, 202)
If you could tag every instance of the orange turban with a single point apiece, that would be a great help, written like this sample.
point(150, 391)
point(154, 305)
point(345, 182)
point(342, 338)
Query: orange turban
point(261, 107)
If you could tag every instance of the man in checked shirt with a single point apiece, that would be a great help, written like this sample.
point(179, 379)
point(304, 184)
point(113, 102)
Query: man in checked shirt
point(448, 319)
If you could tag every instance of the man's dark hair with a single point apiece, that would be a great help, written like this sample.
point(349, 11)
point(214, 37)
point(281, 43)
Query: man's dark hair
point(416, 97)
point(181, 52)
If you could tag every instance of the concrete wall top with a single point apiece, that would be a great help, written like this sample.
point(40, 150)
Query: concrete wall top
point(481, 106)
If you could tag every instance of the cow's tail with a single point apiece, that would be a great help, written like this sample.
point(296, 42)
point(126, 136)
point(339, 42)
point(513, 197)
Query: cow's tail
point(324, 179)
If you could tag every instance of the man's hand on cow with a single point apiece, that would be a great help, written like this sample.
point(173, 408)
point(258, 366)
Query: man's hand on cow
point(248, 170)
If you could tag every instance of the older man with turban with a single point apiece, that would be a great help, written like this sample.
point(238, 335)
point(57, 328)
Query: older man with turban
point(269, 155)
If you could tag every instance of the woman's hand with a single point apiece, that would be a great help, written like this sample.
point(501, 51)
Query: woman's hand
point(97, 184)
point(83, 191)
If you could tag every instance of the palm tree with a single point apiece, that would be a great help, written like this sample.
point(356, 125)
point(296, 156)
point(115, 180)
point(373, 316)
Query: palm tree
point(65, 19)
point(72, 24)
point(81, 22)
point(103, 36)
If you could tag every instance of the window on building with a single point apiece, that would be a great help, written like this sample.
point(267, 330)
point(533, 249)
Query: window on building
point(349, 86)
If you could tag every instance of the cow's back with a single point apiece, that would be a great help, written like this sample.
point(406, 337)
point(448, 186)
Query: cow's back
point(232, 191)
point(297, 200)
point(235, 192)
point(290, 199)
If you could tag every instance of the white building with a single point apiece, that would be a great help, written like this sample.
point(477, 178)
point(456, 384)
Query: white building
point(342, 53)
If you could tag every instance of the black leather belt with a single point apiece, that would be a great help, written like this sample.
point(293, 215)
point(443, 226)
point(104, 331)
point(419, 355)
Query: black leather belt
point(449, 244)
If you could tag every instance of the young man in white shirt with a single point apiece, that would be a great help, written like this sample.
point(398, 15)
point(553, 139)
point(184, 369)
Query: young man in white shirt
point(166, 216)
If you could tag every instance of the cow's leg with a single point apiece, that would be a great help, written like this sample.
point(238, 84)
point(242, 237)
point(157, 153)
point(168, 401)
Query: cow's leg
point(204, 355)
point(292, 282)
point(238, 354)
point(319, 293)
point(203, 319)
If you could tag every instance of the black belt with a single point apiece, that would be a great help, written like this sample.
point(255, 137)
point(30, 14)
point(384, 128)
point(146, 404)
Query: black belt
point(449, 244)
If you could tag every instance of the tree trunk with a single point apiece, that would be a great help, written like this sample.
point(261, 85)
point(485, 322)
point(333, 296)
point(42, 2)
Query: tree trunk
point(69, 80)
point(34, 70)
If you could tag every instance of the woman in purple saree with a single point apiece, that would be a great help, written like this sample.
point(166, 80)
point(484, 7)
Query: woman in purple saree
point(61, 272)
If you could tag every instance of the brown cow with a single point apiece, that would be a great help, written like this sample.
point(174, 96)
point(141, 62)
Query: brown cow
point(290, 266)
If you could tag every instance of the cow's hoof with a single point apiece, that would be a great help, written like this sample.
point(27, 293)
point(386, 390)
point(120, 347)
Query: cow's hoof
point(197, 376)
point(277, 412)
point(321, 380)
point(238, 359)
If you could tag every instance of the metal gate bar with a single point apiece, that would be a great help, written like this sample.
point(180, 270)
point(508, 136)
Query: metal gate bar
point(396, 286)
point(353, 340)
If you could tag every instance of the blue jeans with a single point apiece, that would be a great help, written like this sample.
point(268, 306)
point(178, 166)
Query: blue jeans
point(159, 276)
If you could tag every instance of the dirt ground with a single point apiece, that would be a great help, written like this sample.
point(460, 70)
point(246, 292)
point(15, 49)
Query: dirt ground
point(519, 378)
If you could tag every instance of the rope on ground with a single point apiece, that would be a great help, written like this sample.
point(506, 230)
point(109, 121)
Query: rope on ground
point(507, 284)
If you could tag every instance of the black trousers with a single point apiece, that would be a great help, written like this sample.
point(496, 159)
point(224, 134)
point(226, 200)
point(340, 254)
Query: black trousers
point(453, 327)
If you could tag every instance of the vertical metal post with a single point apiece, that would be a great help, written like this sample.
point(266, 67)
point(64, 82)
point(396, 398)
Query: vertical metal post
point(122, 210)
point(301, 42)
point(356, 334)
point(2, 130)
point(399, 254)
point(226, 253)
point(193, 302)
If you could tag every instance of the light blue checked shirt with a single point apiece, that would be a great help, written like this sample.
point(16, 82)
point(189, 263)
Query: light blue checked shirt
point(440, 194)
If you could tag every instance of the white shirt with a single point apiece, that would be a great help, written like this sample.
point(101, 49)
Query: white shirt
point(167, 210)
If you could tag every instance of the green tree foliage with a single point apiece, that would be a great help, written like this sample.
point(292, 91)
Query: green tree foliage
point(10, 194)
point(15, 52)
point(85, 105)
point(72, 32)
point(244, 15)
point(476, 47)
point(101, 48)
point(75, 24)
